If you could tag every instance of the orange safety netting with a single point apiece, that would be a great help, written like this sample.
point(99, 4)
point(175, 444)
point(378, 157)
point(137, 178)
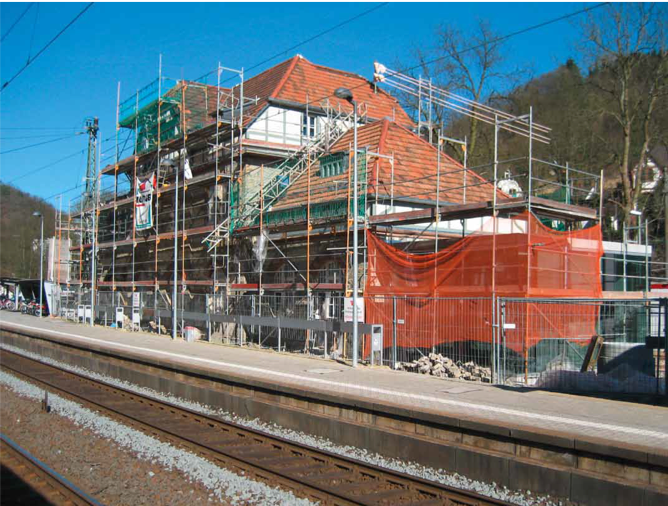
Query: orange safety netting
point(531, 260)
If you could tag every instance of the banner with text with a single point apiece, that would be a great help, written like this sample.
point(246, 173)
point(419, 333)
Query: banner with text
point(144, 203)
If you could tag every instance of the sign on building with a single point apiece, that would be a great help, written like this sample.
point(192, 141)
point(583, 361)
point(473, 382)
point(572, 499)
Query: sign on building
point(348, 309)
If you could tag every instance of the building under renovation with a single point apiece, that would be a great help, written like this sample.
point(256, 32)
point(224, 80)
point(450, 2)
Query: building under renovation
point(228, 212)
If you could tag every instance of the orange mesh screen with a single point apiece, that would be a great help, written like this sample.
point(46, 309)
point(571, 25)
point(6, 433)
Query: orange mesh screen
point(531, 260)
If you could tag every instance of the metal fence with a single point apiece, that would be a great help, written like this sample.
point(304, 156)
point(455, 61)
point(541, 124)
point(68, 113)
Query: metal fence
point(285, 322)
point(459, 329)
point(613, 346)
point(586, 345)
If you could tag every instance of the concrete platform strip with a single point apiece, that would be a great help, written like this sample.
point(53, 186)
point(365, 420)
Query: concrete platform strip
point(475, 409)
point(437, 475)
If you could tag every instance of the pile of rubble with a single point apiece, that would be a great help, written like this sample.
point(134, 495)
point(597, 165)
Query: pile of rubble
point(444, 367)
point(154, 327)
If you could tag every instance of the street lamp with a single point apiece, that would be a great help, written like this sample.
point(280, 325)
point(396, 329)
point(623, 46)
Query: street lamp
point(347, 95)
point(41, 261)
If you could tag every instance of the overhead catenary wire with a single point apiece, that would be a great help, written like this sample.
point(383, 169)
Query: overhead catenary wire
point(39, 144)
point(470, 48)
point(43, 167)
point(63, 192)
point(318, 35)
point(310, 39)
point(37, 128)
point(40, 136)
point(39, 53)
point(48, 165)
point(32, 37)
point(16, 22)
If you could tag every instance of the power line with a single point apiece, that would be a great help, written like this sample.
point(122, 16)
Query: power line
point(17, 21)
point(46, 166)
point(310, 39)
point(38, 144)
point(472, 48)
point(39, 169)
point(63, 192)
point(513, 34)
point(40, 136)
point(325, 32)
point(7, 83)
point(32, 37)
point(37, 128)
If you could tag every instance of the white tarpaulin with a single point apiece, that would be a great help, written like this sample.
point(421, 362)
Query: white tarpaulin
point(187, 171)
point(144, 204)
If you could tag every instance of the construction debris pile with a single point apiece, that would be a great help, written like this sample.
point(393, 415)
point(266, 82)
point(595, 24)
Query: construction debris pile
point(444, 367)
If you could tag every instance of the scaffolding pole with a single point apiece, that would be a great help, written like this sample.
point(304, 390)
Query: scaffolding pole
point(114, 210)
point(529, 246)
point(134, 187)
point(96, 211)
point(156, 286)
point(259, 284)
point(176, 225)
point(184, 237)
point(216, 179)
point(494, 222)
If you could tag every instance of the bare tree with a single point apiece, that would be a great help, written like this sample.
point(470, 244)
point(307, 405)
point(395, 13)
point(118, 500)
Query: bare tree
point(625, 44)
point(470, 64)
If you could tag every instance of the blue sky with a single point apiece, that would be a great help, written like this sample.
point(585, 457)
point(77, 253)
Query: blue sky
point(78, 75)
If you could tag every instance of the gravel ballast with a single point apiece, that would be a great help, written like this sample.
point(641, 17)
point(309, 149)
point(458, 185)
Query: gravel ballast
point(223, 484)
point(493, 490)
point(114, 476)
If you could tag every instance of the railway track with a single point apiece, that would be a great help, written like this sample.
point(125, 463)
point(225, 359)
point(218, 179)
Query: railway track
point(307, 472)
point(26, 480)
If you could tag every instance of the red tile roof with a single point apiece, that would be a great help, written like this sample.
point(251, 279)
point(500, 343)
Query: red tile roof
point(298, 80)
point(414, 173)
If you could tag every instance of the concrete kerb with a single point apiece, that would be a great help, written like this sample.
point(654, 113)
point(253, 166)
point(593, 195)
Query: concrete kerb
point(590, 445)
point(383, 421)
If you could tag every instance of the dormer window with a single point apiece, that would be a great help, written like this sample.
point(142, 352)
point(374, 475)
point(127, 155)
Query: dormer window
point(333, 165)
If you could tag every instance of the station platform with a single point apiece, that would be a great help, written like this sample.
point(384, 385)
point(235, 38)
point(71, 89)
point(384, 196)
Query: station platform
point(567, 429)
point(570, 416)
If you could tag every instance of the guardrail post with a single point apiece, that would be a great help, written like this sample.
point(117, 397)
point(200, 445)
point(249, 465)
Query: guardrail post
point(208, 318)
point(394, 332)
point(502, 341)
point(663, 304)
point(279, 334)
point(495, 335)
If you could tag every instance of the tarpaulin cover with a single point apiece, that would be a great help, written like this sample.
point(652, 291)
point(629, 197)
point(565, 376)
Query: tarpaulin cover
point(531, 260)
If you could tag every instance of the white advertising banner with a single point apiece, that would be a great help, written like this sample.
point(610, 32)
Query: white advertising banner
point(144, 203)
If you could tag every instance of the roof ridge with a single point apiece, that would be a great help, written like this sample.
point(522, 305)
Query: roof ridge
point(285, 77)
point(353, 74)
point(338, 71)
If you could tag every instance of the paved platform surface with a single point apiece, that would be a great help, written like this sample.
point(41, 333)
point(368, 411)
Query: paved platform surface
point(617, 423)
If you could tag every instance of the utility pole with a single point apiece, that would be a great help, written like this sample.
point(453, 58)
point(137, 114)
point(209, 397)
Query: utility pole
point(89, 205)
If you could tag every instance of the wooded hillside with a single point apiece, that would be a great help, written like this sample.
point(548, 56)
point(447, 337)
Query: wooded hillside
point(20, 232)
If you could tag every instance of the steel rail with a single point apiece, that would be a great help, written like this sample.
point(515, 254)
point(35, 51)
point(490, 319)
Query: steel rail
point(27, 480)
point(309, 472)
